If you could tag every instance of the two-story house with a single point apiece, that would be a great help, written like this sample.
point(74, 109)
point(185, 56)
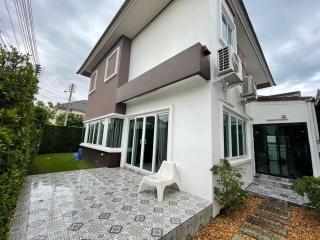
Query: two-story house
point(175, 80)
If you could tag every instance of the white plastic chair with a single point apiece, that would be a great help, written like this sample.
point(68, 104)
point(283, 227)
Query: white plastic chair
point(166, 176)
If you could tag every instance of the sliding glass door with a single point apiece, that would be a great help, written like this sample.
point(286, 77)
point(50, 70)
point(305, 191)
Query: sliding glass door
point(147, 141)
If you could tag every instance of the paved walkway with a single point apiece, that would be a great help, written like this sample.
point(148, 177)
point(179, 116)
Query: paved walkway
point(270, 222)
point(103, 203)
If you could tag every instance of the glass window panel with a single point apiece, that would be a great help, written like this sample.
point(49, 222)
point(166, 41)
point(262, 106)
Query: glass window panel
point(229, 35)
point(234, 137)
point(114, 133)
point(95, 135)
point(90, 134)
point(101, 130)
point(148, 143)
point(137, 142)
point(240, 137)
point(224, 28)
point(226, 134)
point(162, 140)
point(244, 138)
point(130, 141)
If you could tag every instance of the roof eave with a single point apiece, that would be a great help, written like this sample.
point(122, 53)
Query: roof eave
point(82, 69)
point(256, 42)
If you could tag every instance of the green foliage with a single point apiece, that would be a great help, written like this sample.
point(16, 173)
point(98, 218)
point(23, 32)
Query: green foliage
point(60, 139)
point(73, 120)
point(46, 109)
point(57, 162)
point(309, 186)
point(228, 193)
point(20, 128)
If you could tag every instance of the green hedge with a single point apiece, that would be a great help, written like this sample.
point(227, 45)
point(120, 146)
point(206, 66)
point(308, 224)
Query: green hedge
point(57, 139)
point(21, 124)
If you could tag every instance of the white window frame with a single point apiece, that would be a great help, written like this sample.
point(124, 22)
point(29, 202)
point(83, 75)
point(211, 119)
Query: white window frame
point(224, 11)
point(116, 51)
point(244, 135)
point(95, 74)
point(94, 144)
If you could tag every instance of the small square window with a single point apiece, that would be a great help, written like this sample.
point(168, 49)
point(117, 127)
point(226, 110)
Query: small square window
point(111, 65)
point(93, 81)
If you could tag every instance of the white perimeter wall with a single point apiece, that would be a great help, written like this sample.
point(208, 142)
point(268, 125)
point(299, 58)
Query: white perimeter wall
point(182, 24)
point(190, 123)
point(294, 111)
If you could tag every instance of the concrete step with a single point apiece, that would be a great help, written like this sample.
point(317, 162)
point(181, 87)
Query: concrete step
point(273, 184)
point(268, 225)
point(256, 233)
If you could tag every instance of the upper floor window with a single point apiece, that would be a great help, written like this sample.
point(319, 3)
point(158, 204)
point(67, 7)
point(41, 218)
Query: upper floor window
point(227, 27)
point(234, 131)
point(226, 30)
point(111, 65)
point(93, 81)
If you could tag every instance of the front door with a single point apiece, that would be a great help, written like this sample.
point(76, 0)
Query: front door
point(147, 141)
point(282, 150)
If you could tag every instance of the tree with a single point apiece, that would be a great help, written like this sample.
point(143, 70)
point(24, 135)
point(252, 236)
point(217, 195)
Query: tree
point(20, 128)
point(73, 120)
point(48, 109)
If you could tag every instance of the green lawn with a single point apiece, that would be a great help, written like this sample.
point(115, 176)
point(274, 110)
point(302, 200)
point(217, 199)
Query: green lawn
point(57, 162)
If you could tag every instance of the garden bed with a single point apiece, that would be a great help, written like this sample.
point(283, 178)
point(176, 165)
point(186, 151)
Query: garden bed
point(305, 223)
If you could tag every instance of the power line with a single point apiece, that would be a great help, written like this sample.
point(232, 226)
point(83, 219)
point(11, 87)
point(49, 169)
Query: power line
point(21, 26)
point(26, 24)
point(5, 33)
point(14, 32)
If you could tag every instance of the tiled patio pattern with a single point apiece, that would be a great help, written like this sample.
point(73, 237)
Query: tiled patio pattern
point(103, 203)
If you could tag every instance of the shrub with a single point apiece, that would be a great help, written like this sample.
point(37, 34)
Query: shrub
point(20, 128)
point(60, 139)
point(73, 120)
point(309, 186)
point(228, 193)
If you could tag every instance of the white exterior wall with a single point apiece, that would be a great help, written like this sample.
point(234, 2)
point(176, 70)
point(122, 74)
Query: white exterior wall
point(293, 111)
point(226, 100)
point(181, 25)
point(189, 144)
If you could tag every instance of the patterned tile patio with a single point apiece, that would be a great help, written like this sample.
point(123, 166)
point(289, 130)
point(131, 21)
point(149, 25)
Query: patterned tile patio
point(103, 203)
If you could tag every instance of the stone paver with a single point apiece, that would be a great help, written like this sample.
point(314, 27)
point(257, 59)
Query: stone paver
point(275, 211)
point(273, 218)
point(238, 237)
point(256, 234)
point(268, 225)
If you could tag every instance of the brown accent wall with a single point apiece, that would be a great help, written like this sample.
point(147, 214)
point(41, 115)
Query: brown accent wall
point(102, 101)
point(190, 62)
point(109, 160)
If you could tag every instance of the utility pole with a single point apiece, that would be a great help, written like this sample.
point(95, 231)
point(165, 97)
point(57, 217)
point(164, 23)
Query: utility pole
point(71, 89)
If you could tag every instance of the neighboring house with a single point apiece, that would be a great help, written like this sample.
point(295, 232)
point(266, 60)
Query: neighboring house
point(176, 80)
point(77, 107)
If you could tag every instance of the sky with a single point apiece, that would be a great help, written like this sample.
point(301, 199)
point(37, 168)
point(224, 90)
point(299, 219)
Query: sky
point(67, 30)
